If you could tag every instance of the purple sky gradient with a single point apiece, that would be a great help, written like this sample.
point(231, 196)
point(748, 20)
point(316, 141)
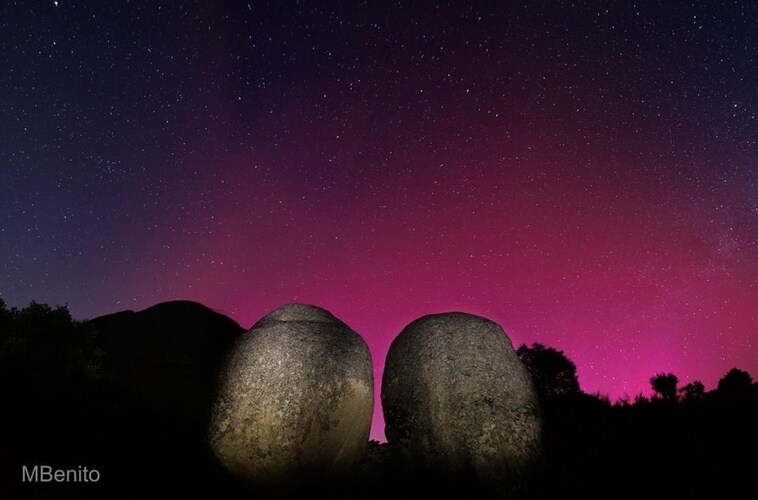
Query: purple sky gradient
point(586, 177)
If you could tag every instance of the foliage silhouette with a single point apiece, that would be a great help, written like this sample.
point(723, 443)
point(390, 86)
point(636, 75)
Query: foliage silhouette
point(46, 358)
point(553, 373)
point(665, 386)
point(736, 382)
point(694, 391)
point(67, 399)
point(50, 376)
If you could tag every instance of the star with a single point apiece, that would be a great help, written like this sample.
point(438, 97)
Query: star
point(586, 188)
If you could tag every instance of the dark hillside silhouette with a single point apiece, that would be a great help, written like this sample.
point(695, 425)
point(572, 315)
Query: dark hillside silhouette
point(160, 367)
point(163, 359)
point(127, 393)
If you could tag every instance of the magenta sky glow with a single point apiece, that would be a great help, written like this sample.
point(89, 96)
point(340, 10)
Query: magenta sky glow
point(586, 177)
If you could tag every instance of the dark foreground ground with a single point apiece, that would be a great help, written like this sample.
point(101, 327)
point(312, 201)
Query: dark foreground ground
point(652, 450)
point(127, 394)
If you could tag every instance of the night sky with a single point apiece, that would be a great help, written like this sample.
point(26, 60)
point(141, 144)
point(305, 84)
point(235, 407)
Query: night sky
point(587, 176)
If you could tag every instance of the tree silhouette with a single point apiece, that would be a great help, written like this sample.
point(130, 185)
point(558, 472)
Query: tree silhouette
point(4, 313)
point(665, 386)
point(694, 391)
point(553, 373)
point(736, 382)
point(48, 364)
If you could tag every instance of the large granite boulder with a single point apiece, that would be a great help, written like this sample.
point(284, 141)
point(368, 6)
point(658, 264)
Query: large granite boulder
point(295, 400)
point(457, 400)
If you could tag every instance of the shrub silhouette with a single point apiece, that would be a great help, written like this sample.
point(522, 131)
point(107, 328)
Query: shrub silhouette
point(49, 374)
point(62, 405)
point(45, 355)
point(736, 382)
point(665, 386)
point(694, 391)
point(553, 373)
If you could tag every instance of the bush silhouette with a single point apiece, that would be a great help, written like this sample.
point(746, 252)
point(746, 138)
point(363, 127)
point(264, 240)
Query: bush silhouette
point(694, 391)
point(45, 355)
point(665, 386)
point(49, 374)
point(62, 389)
point(736, 382)
point(553, 373)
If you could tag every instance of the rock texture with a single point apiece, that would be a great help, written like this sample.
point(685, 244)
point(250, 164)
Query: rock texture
point(458, 400)
point(295, 399)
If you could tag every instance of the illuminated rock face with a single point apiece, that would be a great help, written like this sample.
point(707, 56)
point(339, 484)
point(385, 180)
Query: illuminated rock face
point(458, 400)
point(294, 401)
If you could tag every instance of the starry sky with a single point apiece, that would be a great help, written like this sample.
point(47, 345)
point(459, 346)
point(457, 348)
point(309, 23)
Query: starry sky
point(585, 175)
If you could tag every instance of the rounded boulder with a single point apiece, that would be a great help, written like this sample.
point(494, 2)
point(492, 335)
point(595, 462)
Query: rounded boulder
point(294, 400)
point(457, 400)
